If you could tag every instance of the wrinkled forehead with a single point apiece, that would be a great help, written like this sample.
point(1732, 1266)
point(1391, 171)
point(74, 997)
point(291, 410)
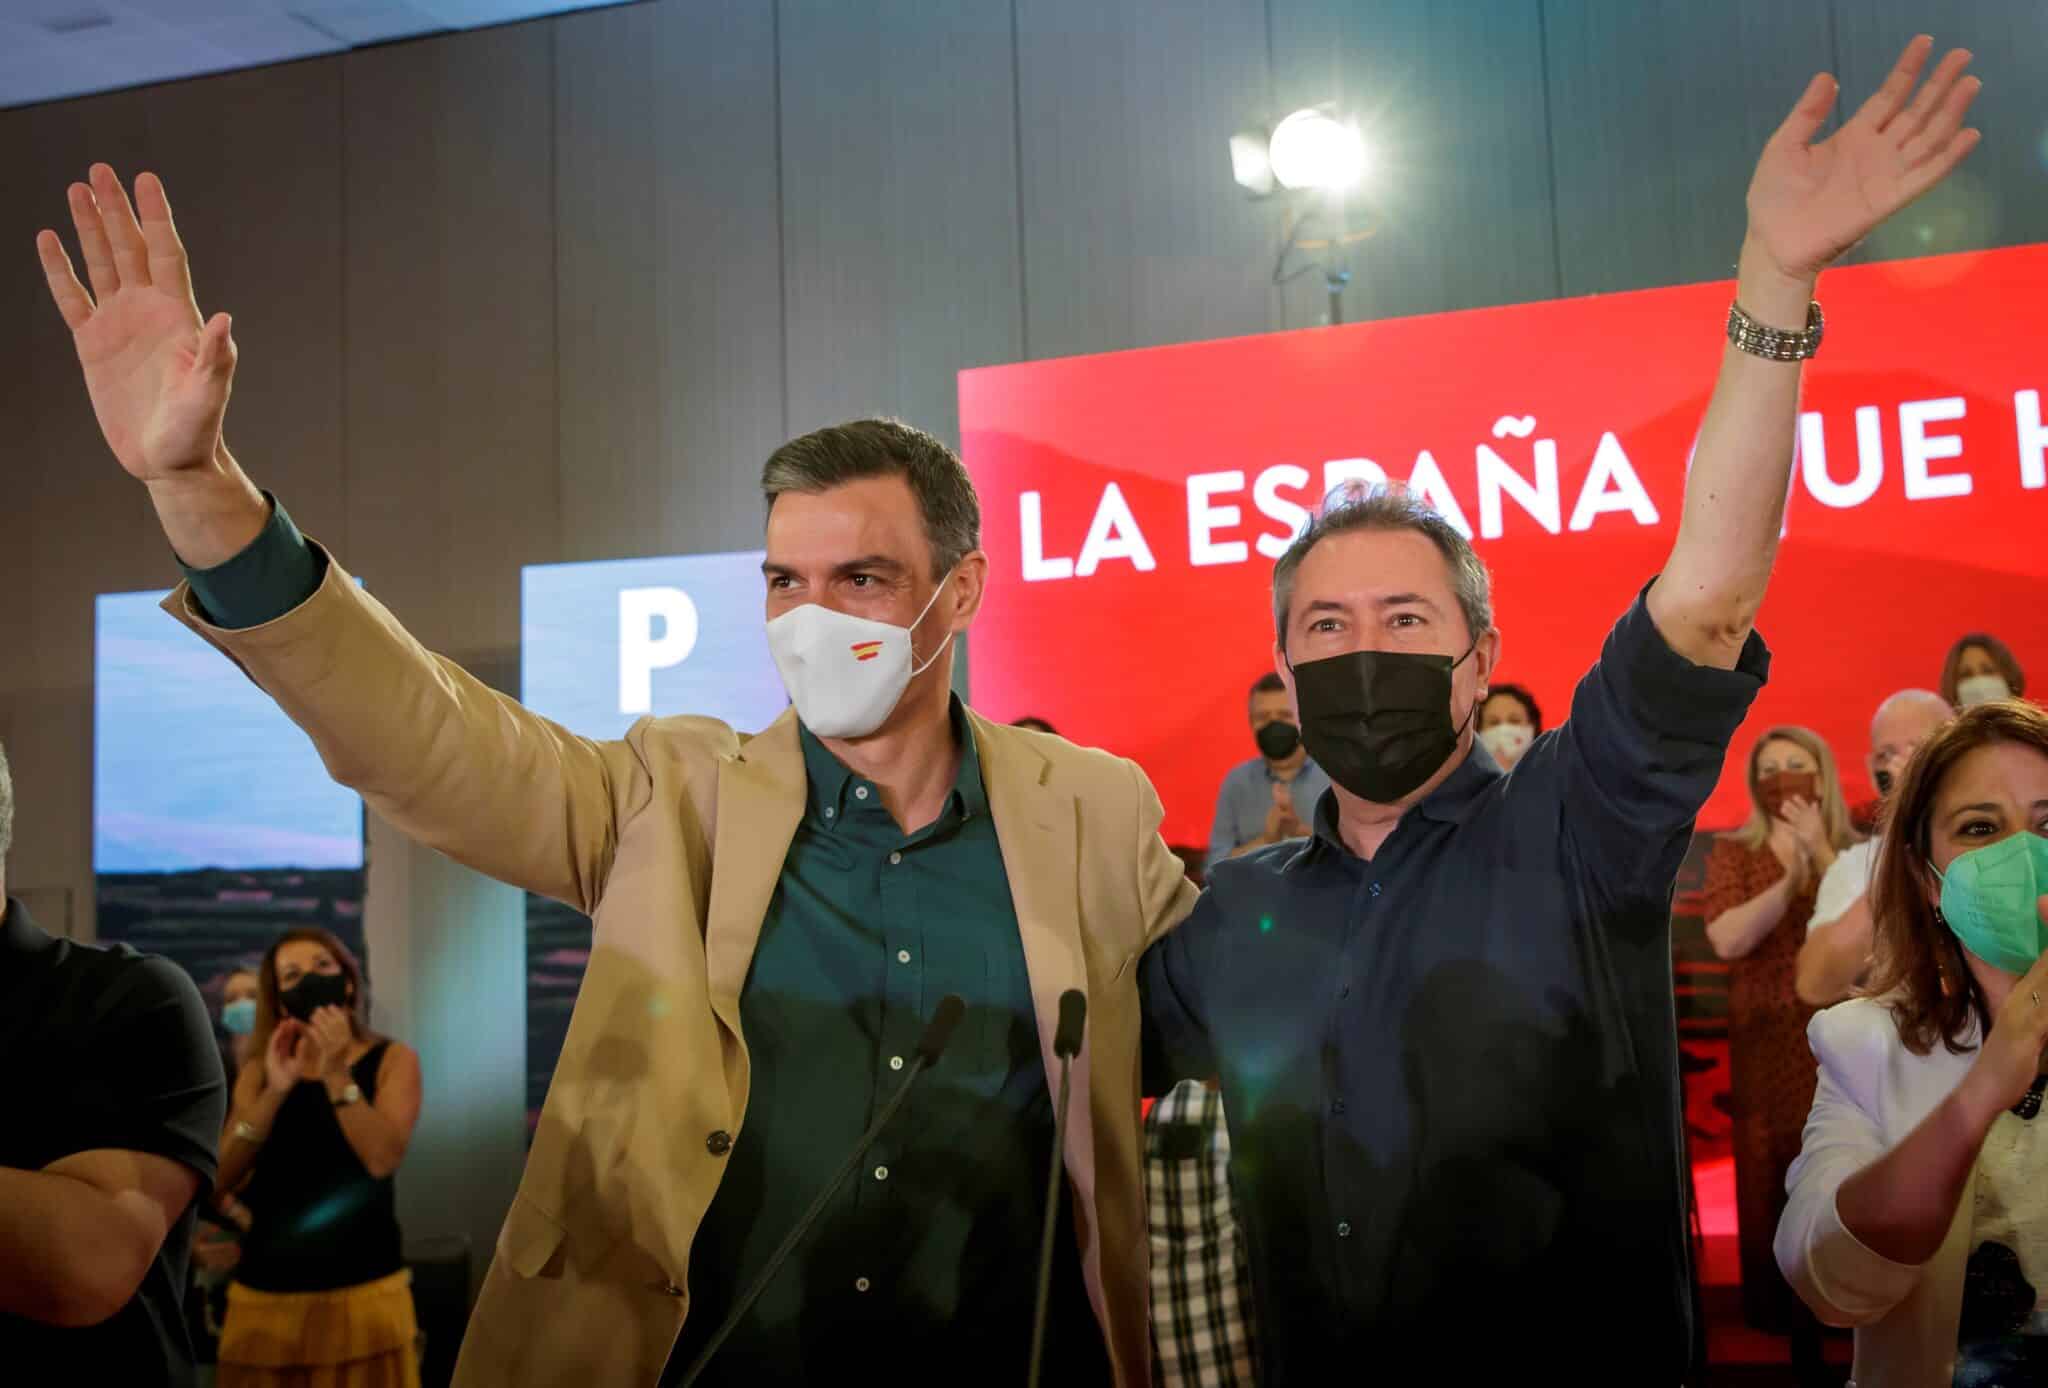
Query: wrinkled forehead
point(870, 517)
point(1361, 571)
point(2010, 777)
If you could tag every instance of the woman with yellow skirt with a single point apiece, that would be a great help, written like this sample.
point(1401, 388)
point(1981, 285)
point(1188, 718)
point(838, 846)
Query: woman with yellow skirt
point(321, 1297)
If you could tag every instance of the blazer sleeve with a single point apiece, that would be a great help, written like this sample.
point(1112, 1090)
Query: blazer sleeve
point(1844, 1282)
point(448, 760)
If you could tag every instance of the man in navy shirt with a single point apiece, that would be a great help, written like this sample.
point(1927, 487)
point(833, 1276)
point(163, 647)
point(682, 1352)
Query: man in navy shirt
point(1443, 1022)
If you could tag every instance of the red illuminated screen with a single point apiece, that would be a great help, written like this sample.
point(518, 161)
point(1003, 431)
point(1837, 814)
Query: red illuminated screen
point(1133, 503)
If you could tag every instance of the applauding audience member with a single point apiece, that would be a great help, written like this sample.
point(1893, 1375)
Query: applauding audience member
point(1760, 886)
point(318, 1129)
point(1916, 1212)
point(1271, 797)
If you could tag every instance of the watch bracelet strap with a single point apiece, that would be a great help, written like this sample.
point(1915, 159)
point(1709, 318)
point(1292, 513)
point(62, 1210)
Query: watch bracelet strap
point(1776, 344)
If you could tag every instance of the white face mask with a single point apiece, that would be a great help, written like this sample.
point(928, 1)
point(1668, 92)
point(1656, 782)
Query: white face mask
point(1982, 689)
point(1507, 742)
point(845, 673)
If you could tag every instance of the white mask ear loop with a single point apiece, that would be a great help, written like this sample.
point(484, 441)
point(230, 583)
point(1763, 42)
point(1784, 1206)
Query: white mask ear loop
point(917, 670)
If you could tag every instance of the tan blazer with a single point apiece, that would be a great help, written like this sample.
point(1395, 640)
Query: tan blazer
point(1872, 1093)
point(672, 840)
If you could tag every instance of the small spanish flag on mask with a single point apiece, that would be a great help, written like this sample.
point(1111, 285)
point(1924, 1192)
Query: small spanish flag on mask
point(866, 650)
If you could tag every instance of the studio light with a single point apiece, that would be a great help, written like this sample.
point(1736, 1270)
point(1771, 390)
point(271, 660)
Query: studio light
point(1313, 149)
point(1249, 164)
point(1310, 150)
point(1315, 158)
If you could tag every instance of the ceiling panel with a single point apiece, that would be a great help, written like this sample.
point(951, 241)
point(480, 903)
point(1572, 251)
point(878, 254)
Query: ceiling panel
point(53, 49)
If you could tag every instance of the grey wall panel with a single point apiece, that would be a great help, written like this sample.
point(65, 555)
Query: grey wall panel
point(449, 298)
point(78, 525)
point(1451, 100)
point(450, 315)
point(899, 205)
point(1134, 234)
point(670, 275)
point(1999, 197)
point(1658, 113)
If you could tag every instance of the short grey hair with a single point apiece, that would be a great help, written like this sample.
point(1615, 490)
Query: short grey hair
point(6, 807)
point(1390, 507)
point(827, 458)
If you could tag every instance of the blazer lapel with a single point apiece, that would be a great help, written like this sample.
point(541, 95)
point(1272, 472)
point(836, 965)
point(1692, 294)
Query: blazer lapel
point(1036, 828)
point(761, 792)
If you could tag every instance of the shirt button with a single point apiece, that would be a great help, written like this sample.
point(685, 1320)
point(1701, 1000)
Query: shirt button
point(903, 956)
point(895, 1062)
point(860, 1284)
point(719, 1143)
point(860, 792)
point(1343, 1228)
point(881, 1173)
point(1337, 1107)
point(829, 812)
point(895, 858)
point(1373, 890)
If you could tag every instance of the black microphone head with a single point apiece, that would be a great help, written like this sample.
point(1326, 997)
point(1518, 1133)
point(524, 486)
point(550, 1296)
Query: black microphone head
point(939, 1030)
point(1066, 1040)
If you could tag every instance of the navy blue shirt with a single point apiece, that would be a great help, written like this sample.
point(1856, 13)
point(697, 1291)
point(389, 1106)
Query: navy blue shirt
point(1450, 1072)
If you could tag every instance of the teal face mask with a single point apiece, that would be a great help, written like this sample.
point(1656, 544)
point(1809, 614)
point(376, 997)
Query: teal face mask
point(1989, 895)
point(238, 1018)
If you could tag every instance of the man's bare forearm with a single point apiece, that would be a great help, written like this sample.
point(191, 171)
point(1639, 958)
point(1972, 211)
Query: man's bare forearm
point(1708, 595)
point(70, 1254)
point(209, 514)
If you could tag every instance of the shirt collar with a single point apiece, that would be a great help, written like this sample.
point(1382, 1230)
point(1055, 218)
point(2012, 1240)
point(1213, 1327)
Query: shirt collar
point(832, 782)
point(20, 937)
point(1449, 803)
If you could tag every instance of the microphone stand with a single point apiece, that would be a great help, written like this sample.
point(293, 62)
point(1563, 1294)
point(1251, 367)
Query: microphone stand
point(1066, 1045)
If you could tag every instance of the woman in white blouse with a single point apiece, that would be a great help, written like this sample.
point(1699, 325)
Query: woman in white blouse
point(1919, 1202)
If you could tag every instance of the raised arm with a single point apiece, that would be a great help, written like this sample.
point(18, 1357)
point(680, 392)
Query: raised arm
point(1808, 203)
point(447, 760)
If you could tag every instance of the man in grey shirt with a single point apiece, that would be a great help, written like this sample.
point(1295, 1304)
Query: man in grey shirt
point(1273, 796)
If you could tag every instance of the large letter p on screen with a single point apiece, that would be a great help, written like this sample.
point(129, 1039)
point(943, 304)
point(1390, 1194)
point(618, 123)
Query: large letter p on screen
point(643, 650)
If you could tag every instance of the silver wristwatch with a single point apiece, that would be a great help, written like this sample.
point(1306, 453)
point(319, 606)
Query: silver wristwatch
point(351, 1095)
point(1775, 344)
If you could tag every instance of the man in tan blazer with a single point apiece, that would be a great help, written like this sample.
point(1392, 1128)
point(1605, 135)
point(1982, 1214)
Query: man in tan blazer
point(775, 915)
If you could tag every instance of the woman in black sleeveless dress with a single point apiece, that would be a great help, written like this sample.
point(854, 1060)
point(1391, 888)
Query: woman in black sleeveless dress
point(321, 1297)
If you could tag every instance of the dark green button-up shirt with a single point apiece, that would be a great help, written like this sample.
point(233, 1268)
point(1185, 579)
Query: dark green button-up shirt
point(926, 1259)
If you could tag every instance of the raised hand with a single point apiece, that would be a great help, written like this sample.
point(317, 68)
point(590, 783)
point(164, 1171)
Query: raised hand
point(158, 376)
point(1811, 200)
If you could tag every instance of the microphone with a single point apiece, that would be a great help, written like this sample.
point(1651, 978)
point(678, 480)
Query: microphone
point(1066, 1044)
point(937, 1033)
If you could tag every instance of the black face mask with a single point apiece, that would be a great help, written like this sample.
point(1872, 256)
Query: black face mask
point(1378, 722)
point(313, 992)
point(1884, 782)
point(1277, 740)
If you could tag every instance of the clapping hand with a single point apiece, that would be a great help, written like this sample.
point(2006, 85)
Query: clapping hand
point(1791, 852)
point(2011, 1056)
point(332, 1035)
point(1811, 827)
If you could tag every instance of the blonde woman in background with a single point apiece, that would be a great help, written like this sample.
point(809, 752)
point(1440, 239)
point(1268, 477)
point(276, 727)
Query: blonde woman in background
point(320, 1122)
point(1759, 891)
